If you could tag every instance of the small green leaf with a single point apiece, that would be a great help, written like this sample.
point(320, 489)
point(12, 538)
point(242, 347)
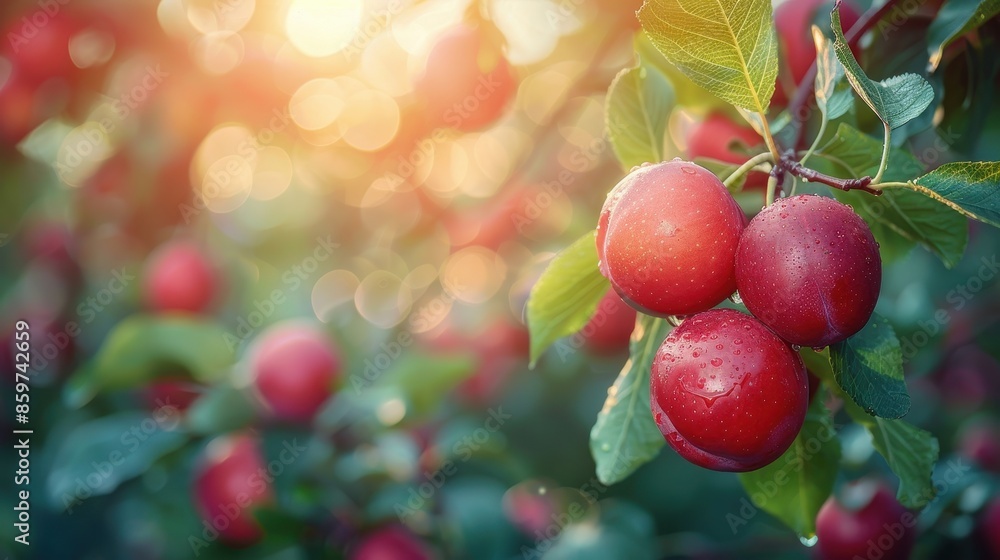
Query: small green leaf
point(794, 487)
point(636, 112)
point(99, 455)
point(833, 93)
point(221, 409)
point(909, 451)
point(898, 219)
point(896, 100)
point(133, 352)
point(625, 435)
point(954, 19)
point(969, 187)
point(869, 368)
point(726, 46)
point(566, 295)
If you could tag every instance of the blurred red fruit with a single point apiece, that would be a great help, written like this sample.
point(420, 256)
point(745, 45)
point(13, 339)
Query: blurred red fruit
point(179, 277)
point(294, 367)
point(718, 137)
point(230, 481)
point(390, 543)
point(879, 525)
point(609, 329)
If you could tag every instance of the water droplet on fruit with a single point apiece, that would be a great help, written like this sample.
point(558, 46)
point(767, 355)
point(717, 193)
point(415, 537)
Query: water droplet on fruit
point(719, 347)
point(796, 347)
point(717, 362)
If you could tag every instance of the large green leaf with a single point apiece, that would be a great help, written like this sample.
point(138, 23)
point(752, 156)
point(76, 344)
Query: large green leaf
point(898, 219)
point(99, 455)
point(969, 187)
point(869, 368)
point(566, 295)
point(726, 46)
point(686, 92)
point(956, 18)
point(625, 435)
point(909, 451)
point(896, 100)
point(141, 345)
point(833, 93)
point(636, 112)
point(794, 487)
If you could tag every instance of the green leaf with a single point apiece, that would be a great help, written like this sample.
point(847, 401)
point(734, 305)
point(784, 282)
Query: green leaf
point(636, 112)
point(896, 100)
point(898, 219)
point(140, 345)
point(833, 93)
point(566, 295)
point(726, 46)
point(221, 409)
point(687, 93)
point(796, 485)
point(969, 187)
point(99, 455)
point(421, 378)
point(909, 451)
point(869, 368)
point(625, 435)
point(955, 19)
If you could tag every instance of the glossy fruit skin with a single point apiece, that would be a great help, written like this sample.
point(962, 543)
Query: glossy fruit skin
point(726, 393)
point(809, 268)
point(230, 481)
point(179, 277)
point(792, 21)
point(667, 237)
point(715, 138)
point(608, 331)
point(881, 528)
point(466, 83)
point(294, 368)
point(390, 543)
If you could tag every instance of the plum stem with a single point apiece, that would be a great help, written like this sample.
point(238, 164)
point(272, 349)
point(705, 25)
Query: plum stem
point(788, 164)
point(742, 170)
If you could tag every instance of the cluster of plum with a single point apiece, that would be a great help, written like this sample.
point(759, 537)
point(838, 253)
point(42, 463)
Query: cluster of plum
point(729, 391)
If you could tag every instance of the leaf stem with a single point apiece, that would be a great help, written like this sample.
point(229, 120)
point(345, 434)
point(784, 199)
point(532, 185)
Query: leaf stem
point(771, 146)
point(816, 141)
point(756, 160)
point(772, 187)
point(885, 155)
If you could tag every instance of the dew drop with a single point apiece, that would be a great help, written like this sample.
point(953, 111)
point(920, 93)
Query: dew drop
point(796, 347)
point(688, 170)
point(717, 362)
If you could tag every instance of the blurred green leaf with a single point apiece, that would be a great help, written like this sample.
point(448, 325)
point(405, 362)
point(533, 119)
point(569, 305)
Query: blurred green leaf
point(869, 368)
point(566, 295)
point(954, 19)
point(625, 435)
point(909, 451)
point(969, 187)
point(796, 485)
point(727, 47)
point(895, 100)
point(636, 112)
point(422, 378)
point(898, 219)
point(99, 455)
point(139, 345)
point(222, 409)
point(833, 93)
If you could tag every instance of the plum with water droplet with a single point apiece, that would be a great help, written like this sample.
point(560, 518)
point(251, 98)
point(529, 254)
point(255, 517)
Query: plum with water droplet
point(727, 409)
point(809, 268)
point(667, 238)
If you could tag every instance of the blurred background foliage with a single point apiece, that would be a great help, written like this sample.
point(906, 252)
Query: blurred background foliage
point(290, 141)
